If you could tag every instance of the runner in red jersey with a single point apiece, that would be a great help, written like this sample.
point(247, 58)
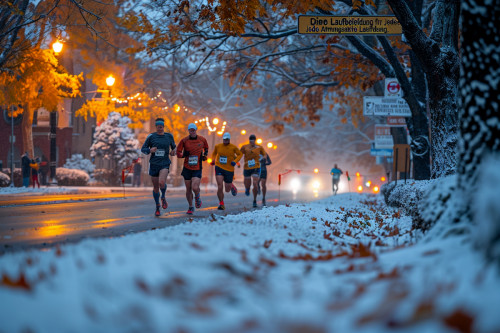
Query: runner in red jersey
point(194, 149)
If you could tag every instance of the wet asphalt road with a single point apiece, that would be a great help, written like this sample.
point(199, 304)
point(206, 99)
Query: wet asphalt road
point(41, 221)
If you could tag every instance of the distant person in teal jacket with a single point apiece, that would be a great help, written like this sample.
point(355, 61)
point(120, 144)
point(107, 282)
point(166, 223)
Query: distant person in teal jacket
point(336, 173)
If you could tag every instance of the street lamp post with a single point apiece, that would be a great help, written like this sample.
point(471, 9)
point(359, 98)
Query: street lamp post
point(53, 147)
point(12, 147)
point(57, 48)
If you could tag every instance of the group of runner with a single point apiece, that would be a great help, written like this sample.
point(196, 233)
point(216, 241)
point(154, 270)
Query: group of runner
point(194, 149)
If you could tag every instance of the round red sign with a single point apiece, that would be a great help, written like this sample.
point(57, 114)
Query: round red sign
point(393, 87)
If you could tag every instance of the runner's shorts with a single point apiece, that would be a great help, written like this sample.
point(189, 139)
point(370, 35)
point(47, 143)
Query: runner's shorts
point(263, 174)
point(251, 172)
point(188, 174)
point(154, 169)
point(228, 175)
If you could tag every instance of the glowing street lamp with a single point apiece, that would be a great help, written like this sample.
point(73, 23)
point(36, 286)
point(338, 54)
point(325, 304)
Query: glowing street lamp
point(316, 170)
point(259, 141)
point(57, 47)
point(243, 132)
point(269, 145)
point(110, 80)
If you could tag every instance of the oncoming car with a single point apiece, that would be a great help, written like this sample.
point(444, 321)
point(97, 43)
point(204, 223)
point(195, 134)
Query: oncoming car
point(303, 182)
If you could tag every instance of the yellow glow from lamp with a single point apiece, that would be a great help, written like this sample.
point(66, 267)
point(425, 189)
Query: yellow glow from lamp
point(269, 145)
point(57, 46)
point(259, 141)
point(215, 121)
point(110, 80)
point(243, 132)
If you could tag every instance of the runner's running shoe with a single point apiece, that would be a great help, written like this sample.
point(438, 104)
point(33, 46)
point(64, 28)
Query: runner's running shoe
point(157, 213)
point(164, 203)
point(234, 190)
point(255, 204)
point(221, 206)
point(197, 201)
point(247, 192)
point(190, 211)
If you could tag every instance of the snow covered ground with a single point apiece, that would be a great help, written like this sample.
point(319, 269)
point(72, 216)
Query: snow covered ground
point(343, 264)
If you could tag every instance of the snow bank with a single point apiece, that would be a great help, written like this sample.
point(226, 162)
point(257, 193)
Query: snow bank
point(486, 209)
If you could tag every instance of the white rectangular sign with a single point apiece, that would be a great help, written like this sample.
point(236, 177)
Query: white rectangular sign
point(380, 152)
point(383, 106)
point(383, 137)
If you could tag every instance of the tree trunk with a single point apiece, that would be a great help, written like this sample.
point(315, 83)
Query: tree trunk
point(418, 124)
point(479, 127)
point(27, 130)
point(443, 106)
point(438, 56)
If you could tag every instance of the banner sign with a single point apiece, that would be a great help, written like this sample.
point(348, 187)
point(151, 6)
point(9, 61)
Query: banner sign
point(349, 25)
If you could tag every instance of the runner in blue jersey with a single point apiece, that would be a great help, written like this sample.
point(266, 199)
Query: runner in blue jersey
point(160, 145)
point(335, 172)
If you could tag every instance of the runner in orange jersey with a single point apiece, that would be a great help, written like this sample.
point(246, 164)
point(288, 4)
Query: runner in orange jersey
point(194, 149)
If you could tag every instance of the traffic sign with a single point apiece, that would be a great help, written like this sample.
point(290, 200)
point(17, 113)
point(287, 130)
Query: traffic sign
point(383, 138)
point(392, 88)
point(380, 152)
point(396, 121)
point(383, 106)
point(349, 25)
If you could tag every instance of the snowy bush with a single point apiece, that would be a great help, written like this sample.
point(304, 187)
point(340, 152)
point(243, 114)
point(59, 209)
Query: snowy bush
point(408, 197)
point(18, 179)
point(71, 177)
point(4, 180)
point(78, 162)
point(107, 177)
point(440, 203)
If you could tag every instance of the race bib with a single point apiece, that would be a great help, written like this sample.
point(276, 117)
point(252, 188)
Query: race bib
point(251, 163)
point(223, 159)
point(336, 176)
point(193, 160)
point(160, 152)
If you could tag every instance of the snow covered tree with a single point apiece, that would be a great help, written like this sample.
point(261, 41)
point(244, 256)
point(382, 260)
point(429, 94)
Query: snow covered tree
point(78, 162)
point(468, 201)
point(115, 142)
point(479, 142)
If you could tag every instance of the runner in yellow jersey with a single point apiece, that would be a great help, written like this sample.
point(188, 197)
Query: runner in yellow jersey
point(224, 157)
point(251, 170)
